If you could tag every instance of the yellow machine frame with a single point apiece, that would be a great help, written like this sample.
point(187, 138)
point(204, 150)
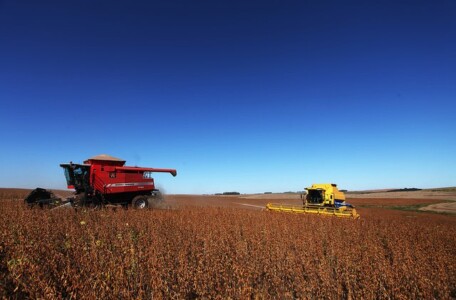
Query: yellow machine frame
point(321, 199)
point(329, 191)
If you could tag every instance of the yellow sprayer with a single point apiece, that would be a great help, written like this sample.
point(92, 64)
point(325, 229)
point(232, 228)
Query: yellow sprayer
point(322, 199)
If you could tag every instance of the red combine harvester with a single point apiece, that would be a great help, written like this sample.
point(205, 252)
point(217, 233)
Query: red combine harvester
point(103, 180)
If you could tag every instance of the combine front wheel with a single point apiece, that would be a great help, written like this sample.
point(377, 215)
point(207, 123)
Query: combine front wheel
point(140, 202)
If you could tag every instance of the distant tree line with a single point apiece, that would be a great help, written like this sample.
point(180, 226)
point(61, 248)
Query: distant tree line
point(288, 192)
point(227, 193)
point(405, 190)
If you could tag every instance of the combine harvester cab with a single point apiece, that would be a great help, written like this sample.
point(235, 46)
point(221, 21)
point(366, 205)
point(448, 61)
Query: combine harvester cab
point(105, 180)
point(322, 199)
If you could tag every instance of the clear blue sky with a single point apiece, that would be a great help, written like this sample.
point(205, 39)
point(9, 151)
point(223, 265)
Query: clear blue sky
point(247, 96)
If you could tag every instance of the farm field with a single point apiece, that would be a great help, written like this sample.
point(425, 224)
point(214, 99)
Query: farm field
point(227, 247)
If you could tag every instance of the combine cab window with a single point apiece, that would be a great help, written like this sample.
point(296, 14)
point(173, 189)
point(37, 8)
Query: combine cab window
point(315, 196)
point(147, 175)
point(77, 176)
point(68, 178)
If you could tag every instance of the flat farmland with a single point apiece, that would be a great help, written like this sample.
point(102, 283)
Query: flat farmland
point(199, 247)
point(445, 202)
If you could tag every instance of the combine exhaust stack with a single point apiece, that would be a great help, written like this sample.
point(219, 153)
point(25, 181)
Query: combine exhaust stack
point(321, 199)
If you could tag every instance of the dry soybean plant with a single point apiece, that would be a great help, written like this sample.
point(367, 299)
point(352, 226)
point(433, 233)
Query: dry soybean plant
point(222, 253)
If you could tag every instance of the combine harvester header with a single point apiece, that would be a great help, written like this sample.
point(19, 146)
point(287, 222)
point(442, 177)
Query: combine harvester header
point(322, 199)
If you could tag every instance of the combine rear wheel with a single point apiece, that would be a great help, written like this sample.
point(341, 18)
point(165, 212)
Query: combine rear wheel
point(140, 202)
